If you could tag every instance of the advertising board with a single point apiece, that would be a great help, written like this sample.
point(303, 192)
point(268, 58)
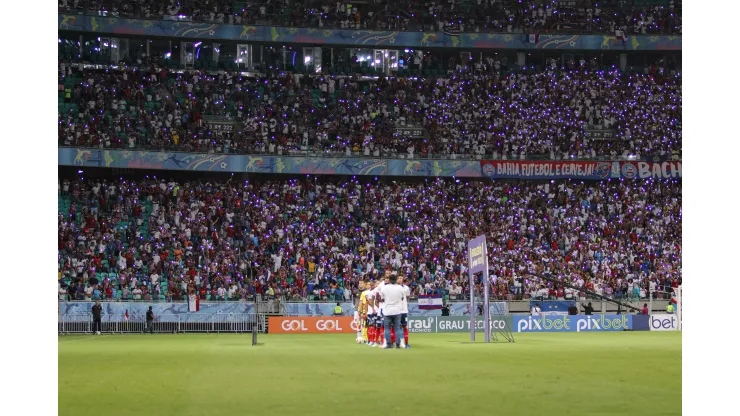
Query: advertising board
point(311, 325)
point(572, 323)
point(441, 324)
point(663, 322)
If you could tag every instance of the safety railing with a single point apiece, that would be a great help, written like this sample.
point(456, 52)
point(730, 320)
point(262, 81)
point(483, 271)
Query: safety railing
point(165, 323)
point(262, 304)
point(277, 304)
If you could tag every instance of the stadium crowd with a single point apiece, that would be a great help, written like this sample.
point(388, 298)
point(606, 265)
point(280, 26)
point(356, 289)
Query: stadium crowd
point(545, 16)
point(316, 238)
point(479, 111)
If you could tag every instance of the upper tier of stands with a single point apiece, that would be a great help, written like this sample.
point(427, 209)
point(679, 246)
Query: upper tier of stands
point(479, 111)
point(508, 16)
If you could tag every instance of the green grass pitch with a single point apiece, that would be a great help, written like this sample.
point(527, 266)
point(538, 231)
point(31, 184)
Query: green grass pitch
point(623, 373)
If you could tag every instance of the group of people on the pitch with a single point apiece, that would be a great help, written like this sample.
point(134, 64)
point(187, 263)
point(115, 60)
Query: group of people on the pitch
point(382, 312)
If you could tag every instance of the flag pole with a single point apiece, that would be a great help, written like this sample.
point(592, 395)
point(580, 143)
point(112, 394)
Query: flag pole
point(486, 288)
point(472, 298)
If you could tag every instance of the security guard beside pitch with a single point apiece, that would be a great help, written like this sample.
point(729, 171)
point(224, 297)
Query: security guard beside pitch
point(338, 310)
point(149, 321)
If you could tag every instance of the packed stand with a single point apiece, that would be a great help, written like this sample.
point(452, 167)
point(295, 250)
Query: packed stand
point(316, 238)
point(543, 16)
point(478, 111)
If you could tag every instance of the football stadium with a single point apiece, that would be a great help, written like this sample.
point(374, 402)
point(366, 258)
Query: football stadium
point(257, 200)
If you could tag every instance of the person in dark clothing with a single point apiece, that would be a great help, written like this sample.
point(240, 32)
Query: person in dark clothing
point(71, 291)
point(97, 310)
point(446, 310)
point(588, 309)
point(572, 309)
point(149, 321)
point(80, 291)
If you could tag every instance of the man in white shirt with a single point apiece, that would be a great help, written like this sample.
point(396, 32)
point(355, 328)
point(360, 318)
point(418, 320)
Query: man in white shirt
point(393, 295)
point(372, 316)
point(405, 312)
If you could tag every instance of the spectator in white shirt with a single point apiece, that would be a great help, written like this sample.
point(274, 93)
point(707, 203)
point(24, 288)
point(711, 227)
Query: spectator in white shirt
point(536, 311)
point(88, 292)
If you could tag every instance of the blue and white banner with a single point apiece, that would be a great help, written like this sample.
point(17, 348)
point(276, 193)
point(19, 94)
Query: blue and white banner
point(572, 323)
point(355, 38)
point(552, 307)
point(317, 309)
point(327, 309)
point(427, 302)
point(154, 160)
point(291, 309)
point(457, 309)
point(138, 309)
